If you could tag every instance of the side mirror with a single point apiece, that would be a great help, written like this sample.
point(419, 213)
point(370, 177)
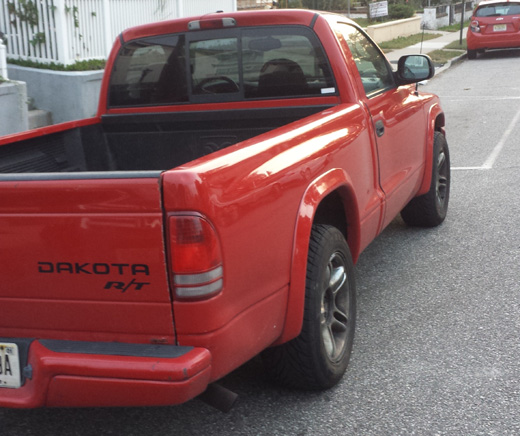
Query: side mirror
point(414, 68)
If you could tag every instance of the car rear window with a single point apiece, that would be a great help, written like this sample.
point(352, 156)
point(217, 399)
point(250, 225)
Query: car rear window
point(498, 10)
point(221, 65)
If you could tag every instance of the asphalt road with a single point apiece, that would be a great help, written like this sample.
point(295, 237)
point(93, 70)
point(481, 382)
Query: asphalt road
point(437, 349)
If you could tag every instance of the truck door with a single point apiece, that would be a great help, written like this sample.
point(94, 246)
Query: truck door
point(398, 121)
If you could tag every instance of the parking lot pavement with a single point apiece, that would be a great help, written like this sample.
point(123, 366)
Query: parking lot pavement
point(427, 46)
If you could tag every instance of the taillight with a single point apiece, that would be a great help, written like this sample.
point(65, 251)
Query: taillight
point(195, 257)
point(216, 23)
point(475, 26)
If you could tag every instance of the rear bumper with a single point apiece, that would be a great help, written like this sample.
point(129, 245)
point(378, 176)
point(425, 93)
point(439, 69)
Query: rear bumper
point(478, 41)
point(92, 374)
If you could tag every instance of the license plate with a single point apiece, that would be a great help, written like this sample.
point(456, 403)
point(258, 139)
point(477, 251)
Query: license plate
point(9, 366)
point(499, 27)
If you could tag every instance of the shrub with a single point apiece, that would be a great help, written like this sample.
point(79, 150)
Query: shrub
point(400, 11)
point(92, 64)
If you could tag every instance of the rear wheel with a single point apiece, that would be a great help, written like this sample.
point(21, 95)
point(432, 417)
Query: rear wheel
point(429, 210)
point(318, 357)
point(472, 54)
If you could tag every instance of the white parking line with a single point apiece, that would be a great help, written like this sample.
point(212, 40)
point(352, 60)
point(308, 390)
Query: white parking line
point(498, 148)
point(490, 161)
point(468, 168)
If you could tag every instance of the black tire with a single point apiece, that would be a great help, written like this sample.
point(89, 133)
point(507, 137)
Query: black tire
point(472, 54)
point(318, 357)
point(429, 210)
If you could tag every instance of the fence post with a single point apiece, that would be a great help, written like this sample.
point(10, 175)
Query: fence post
point(3, 61)
point(62, 34)
point(107, 27)
point(180, 8)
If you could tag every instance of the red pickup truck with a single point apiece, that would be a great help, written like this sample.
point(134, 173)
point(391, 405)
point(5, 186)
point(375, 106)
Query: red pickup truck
point(212, 210)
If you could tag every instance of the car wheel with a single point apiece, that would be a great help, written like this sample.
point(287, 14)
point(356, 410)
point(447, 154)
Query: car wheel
point(429, 210)
point(472, 54)
point(318, 357)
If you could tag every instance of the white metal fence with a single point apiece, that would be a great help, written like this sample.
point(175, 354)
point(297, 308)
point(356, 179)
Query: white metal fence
point(66, 31)
point(3, 62)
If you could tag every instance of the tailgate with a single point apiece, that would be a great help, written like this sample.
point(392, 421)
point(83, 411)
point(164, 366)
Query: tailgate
point(505, 25)
point(84, 260)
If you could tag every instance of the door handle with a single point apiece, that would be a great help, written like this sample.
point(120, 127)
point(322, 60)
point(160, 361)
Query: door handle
point(380, 128)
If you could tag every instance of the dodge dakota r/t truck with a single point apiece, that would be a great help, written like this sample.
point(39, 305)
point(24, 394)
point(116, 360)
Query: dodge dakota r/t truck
point(211, 211)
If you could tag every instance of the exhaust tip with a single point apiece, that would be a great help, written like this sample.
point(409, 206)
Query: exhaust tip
point(219, 397)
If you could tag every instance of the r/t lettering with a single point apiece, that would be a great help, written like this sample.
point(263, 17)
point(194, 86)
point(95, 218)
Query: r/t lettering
point(123, 287)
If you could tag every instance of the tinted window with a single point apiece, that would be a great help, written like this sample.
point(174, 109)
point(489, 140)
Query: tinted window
point(373, 67)
point(498, 10)
point(214, 67)
point(235, 64)
point(284, 63)
point(150, 71)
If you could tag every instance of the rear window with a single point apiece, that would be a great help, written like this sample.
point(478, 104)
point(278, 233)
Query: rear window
point(498, 10)
point(223, 65)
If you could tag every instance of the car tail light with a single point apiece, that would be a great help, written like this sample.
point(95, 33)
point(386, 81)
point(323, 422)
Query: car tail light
point(475, 26)
point(195, 257)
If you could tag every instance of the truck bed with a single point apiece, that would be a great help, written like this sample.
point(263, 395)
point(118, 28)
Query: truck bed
point(142, 142)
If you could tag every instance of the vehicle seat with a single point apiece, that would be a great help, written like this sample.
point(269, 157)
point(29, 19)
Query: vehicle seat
point(171, 86)
point(281, 78)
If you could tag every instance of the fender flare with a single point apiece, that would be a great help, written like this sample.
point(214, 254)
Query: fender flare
point(434, 114)
point(333, 180)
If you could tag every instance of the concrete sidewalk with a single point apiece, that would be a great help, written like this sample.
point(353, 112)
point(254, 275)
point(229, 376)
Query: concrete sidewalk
point(428, 46)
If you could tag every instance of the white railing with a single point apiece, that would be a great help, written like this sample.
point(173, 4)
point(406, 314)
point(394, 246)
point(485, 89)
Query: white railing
point(3, 62)
point(65, 31)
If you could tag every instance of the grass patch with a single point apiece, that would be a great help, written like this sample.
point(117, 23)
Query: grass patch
point(454, 27)
point(455, 45)
point(440, 57)
point(363, 22)
point(93, 64)
point(402, 42)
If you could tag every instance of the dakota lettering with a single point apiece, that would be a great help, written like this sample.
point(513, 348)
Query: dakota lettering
point(80, 268)
point(64, 267)
point(120, 267)
point(45, 267)
point(98, 268)
point(101, 268)
point(140, 269)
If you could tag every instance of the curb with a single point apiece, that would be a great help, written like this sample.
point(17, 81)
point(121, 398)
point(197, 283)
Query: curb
point(451, 62)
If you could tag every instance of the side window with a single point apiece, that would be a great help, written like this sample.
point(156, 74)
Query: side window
point(373, 67)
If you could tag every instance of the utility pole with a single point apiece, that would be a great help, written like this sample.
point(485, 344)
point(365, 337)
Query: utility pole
point(462, 20)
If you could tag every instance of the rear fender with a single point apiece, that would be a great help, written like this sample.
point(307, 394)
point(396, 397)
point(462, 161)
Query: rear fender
point(435, 122)
point(334, 180)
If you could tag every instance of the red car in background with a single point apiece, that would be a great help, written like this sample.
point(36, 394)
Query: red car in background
point(495, 24)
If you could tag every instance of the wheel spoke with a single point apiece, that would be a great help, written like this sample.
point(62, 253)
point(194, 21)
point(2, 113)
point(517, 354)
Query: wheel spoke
point(442, 178)
point(441, 160)
point(442, 186)
point(335, 307)
point(337, 278)
point(339, 323)
point(328, 339)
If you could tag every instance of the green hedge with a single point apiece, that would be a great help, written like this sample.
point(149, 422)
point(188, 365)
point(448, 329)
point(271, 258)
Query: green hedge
point(400, 11)
point(93, 64)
